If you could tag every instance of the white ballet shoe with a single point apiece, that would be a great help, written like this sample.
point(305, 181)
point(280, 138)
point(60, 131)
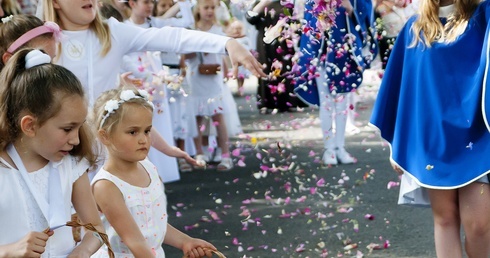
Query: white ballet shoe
point(329, 158)
point(344, 157)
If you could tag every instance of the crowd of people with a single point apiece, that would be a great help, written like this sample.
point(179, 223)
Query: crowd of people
point(101, 103)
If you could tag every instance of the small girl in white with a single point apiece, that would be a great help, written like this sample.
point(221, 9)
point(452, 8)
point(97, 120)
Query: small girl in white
point(128, 190)
point(207, 89)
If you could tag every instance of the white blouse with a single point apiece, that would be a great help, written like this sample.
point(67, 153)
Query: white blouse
point(20, 213)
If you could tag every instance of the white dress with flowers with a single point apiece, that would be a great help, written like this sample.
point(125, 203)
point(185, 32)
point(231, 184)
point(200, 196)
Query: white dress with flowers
point(147, 205)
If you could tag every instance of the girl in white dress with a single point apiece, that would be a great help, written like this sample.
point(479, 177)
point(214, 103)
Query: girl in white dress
point(128, 190)
point(93, 49)
point(147, 66)
point(45, 152)
point(207, 89)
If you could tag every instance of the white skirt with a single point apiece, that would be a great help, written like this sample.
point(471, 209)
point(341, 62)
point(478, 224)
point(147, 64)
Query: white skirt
point(183, 118)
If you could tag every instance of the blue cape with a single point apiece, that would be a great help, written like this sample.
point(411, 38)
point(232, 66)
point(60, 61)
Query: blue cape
point(313, 45)
point(429, 106)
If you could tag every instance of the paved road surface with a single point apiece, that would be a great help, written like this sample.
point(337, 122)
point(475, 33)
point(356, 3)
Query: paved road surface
point(299, 208)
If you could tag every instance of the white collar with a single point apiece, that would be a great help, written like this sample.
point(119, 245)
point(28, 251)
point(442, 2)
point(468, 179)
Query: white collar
point(445, 11)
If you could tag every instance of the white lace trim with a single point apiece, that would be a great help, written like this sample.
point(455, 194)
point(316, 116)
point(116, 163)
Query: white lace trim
point(39, 179)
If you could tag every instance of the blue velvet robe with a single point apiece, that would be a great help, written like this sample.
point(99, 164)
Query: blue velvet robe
point(431, 106)
point(345, 68)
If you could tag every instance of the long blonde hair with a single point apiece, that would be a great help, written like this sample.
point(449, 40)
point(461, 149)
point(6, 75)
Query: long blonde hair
point(98, 25)
point(429, 29)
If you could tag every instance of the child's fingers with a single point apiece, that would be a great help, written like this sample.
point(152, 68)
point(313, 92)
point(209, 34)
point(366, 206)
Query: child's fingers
point(192, 161)
point(235, 71)
point(209, 252)
point(194, 253)
point(256, 68)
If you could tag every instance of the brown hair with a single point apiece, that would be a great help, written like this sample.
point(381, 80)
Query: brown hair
point(108, 10)
point(98, 25)
point(11, 7)
point(38, 91)
point(429, 29)
point(114, 118)
point(15, 28)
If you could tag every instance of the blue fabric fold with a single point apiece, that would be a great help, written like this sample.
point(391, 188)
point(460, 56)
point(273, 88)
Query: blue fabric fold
point(344, 68)
point(431, 106)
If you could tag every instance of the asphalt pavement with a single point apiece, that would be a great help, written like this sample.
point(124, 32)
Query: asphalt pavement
point(279, 201)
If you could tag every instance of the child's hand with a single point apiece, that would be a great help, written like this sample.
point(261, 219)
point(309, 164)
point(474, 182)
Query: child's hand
point(195, 248)
point(396, 168)
point(193, 162)
point(31, 245)
point(348, 6)
point(240, 55)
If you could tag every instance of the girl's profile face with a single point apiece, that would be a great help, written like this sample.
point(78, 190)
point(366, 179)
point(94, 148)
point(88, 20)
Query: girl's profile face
point(142, 8)
point(75, 14)
point(163, 6)
point(60, 134)
point(206, 10)
point(130, 139)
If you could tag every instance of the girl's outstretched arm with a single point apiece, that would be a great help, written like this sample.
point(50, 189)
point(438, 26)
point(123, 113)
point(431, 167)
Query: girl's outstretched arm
point(84, 204)
point(161, 145)
point(179, 40)
point(111, 202)
point(192, 247)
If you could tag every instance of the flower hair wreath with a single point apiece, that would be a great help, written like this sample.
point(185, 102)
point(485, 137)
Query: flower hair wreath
point(112, 105)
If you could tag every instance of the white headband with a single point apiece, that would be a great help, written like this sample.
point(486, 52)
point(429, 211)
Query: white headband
point(112, 105)
point(35, 58)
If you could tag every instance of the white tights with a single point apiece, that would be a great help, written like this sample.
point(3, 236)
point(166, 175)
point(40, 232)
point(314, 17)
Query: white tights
point(332, 107)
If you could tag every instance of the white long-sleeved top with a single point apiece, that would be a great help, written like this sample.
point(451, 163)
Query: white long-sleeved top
point(81, 51)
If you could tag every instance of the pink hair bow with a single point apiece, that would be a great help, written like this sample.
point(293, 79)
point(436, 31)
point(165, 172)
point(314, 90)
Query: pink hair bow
point(47, 27)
